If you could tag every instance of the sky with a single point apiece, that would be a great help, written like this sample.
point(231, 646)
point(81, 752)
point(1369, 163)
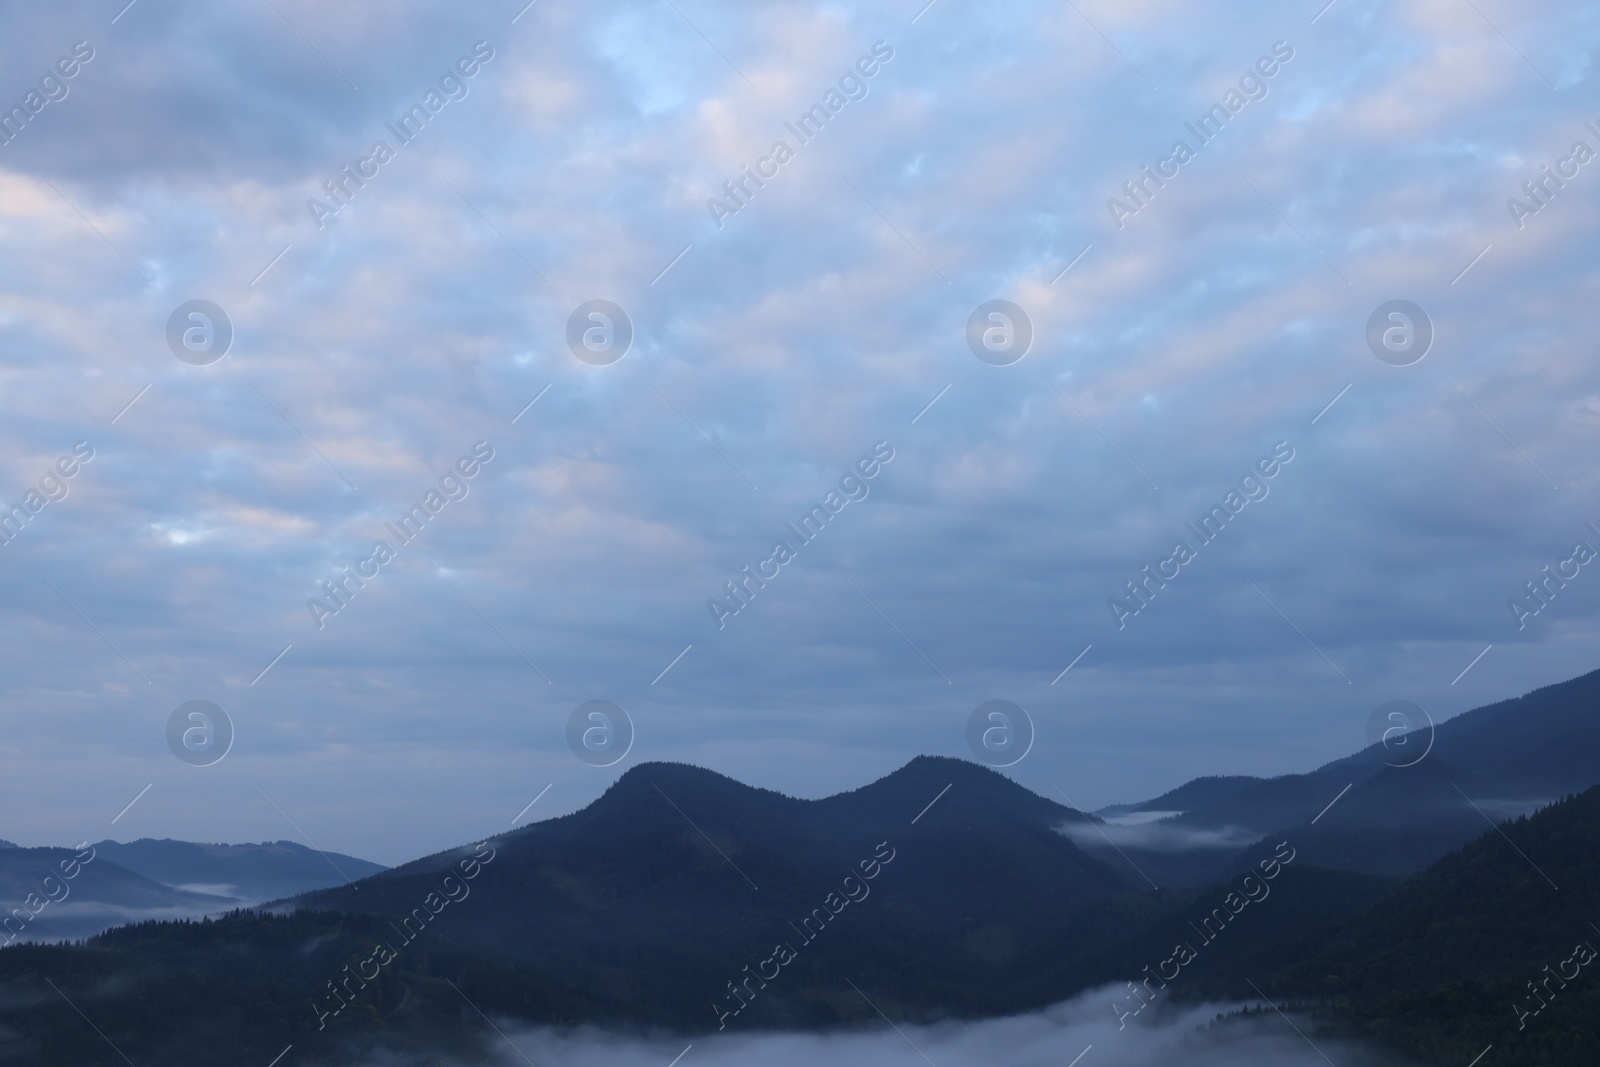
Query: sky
point(361, 345)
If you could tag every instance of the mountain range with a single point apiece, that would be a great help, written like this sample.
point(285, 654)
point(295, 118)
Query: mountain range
point(149, 879)
point(1405, 903)
point(1507, 759)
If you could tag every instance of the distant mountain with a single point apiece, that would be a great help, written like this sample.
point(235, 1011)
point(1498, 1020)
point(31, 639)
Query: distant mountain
point(1543, 744)
point(148, 879)
point(1196, 794)
point(248, 873)
point(45, 905)
point(1506, 758)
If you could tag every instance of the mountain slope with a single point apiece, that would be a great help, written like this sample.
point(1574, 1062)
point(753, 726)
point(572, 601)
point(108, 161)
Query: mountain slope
point(662, 891)
point(1195, 794)
point(247, 872)
point(1507, 758)
point(41, 903)
point(662, 903)
point(684, 899)
point(1445, 967)
point(1498, 943)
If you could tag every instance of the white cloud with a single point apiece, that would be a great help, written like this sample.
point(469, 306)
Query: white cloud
point(1048, 1038)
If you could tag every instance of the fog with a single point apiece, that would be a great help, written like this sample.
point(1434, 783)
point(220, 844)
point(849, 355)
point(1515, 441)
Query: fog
point(1161, 835)
point(74, 921)
point(1085, 1027)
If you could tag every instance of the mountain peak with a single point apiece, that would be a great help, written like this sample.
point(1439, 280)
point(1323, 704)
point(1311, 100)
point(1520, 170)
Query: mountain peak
point(920, 772)
point(669, 777)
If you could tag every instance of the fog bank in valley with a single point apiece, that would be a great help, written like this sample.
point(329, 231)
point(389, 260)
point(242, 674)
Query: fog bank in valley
point(1085, 1026)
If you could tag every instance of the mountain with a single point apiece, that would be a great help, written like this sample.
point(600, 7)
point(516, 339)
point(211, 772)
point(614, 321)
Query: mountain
point(147, 879)
point(1501, 760)
point(1196, 794)
point(42, 903)
point(246, 873)
point(661, 904)
point(1542, 744)
point(1402, 906)
point(1477, 950)
point(1497, 945)
point(659, 894)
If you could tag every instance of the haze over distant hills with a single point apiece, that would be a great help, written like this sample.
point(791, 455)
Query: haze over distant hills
point(262, 872)
point(150, 879)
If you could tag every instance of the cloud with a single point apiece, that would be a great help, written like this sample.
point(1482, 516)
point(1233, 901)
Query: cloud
point(820, 319)
point(73, 921)
point(1156, 834)
point(1051, 1037)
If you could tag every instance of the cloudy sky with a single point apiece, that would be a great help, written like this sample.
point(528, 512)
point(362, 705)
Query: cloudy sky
point(1180, 334)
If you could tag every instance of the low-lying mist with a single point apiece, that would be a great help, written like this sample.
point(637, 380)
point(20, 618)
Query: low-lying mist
point(1085, 1027)
point(1158, 835)
point(75, 921)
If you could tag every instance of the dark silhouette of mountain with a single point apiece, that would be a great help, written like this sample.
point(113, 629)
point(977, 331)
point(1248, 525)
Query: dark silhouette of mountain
point(1542, 744)
point(1196, 794)
point(684, 899)
point(680, 871)
point(1497, 944)
point(1231, 936)
point(1507, 758)
point(1477, 950)
point(222, 992)
point(247, 872)
point(662, 903)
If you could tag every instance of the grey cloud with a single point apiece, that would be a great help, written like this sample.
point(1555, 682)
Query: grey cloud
point(797, 335)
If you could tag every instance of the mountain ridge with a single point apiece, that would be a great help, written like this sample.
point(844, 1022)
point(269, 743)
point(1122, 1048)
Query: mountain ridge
point(941, 890)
